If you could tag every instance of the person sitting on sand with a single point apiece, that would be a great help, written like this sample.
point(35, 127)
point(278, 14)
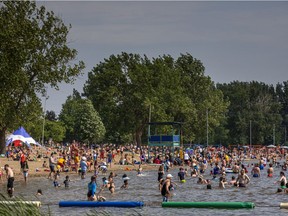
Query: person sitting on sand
point(45, 165)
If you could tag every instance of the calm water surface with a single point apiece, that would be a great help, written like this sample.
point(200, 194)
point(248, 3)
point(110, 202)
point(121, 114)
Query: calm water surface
point(261, 191)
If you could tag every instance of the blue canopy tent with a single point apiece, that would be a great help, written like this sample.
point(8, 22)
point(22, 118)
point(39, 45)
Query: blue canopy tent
point(21, 135)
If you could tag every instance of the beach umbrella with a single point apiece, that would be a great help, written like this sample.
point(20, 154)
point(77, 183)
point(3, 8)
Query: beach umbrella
point(284, 147)
point(271, 146)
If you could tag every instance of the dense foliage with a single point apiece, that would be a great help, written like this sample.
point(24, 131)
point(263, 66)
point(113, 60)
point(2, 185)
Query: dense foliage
point(81, 121)
point(34, 52)
point(124, 87)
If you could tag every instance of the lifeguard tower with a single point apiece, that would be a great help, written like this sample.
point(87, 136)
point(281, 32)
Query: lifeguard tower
point(164, 134)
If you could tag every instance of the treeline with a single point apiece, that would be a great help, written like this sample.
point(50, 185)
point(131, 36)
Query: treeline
point(124, 87)
point(122, 90)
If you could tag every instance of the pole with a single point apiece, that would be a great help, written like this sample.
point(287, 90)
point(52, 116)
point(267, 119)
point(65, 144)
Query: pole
point(273, 134)
point(149, 132)
point(250, 134)
point(44, 112)
point(207, 128)
point(285, 135)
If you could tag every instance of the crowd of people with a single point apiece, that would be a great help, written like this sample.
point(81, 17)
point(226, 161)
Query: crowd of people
point(207, 165)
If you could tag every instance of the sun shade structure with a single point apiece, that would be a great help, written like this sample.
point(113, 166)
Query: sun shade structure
point(20, 135)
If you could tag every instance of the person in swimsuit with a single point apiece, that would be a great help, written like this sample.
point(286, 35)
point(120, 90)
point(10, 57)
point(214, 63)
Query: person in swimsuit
point(255, 171)
point(282, 178)
point(270, 171)
point(242, 179)
point(161, 172)
point(10, 180)
point(52, 164)
point(111, 185)
point(165, 190)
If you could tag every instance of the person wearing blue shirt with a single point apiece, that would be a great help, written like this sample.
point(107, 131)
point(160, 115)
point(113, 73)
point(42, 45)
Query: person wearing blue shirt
point(91, 195)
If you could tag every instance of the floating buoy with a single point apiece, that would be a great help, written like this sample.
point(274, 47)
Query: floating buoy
point(119, 204)
point(36, 203)
point(284, 205)
point(220, 205)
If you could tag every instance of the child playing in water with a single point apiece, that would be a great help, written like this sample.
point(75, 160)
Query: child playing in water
point(139, 170)
point(56, 178)
point(66, 182)
point(39, 192)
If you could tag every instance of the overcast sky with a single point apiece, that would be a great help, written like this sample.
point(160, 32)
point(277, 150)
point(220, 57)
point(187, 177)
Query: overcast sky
point(242, 41)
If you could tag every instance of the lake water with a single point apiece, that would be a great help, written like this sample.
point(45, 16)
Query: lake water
point(261, 191)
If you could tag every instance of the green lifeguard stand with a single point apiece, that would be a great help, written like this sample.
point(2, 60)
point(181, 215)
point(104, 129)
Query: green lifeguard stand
point(171, 138)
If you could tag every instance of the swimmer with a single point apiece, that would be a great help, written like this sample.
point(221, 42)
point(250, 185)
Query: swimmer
point(242, 179)
point(111, 185)
point(181, 175)
point(125, 184)
point(233, 180)
point(282, 178)
point(270, 171)
point(255, 171)
point(161, 172)
point(201, 180)
point(139, 170)
point(194, 173)
point(165, 190)
point(92, 189)
point(39, 192)
point(10, 180)
point(222, 182)
point(66, 182)
point(56, 178)
point(209, 186)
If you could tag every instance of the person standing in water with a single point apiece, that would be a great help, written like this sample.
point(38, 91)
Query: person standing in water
point(25, 169)
point(242, 179)
point(165, 190)
point(181, 175)
point(10, 180)
point(91, 195)
point(161, 172)
point(270, 171)
point(255, 171)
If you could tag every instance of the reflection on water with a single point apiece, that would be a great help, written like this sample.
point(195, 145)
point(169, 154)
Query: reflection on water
point(261, 191)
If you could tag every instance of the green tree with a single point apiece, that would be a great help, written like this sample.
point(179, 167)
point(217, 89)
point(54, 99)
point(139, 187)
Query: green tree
point(54, 130)
point(256, 102)
point(81, 120)
point(34, 53)
point(124, 87)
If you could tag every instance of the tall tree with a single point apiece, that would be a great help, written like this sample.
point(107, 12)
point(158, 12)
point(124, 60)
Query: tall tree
point(81, 120)
point(124, 87)
point(34, 53)
point(255, 103)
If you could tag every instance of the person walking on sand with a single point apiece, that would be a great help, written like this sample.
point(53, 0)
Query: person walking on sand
point(10, 180)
